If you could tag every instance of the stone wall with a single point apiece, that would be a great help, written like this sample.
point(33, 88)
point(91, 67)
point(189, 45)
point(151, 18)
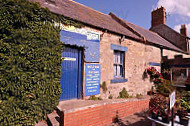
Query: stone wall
point(136, 61)
point(171, 54)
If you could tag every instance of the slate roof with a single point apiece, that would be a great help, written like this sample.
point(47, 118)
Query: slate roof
point(171, 35)
point(84, 14)
point(148, 35)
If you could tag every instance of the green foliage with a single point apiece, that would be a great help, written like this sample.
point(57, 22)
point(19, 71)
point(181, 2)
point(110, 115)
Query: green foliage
point(30, 62)
point(185, 100)
point(124, 94)
point(139, 96)
point(166, 87)
point(93, 97)
point(110, 97)
point(104, 87)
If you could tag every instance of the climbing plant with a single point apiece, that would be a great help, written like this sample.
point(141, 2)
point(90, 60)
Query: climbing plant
point(30, 62)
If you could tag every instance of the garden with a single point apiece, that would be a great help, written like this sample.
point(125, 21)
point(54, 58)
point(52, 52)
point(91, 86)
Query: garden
point(159, 105)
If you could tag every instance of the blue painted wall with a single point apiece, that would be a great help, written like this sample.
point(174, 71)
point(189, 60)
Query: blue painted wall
point(119, 48)
point(92, 47)
point(154, 64)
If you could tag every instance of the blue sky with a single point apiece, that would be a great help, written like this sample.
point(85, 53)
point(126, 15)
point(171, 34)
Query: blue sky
point(139, 11)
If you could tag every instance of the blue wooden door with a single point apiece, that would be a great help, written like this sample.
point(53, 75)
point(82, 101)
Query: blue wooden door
point(71, 74)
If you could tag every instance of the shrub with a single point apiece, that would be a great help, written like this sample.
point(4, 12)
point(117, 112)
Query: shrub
point(124, 94)
point(139, 95)
point(30, 62)
point(104, 87)
point(93, 97)
point(110, 96)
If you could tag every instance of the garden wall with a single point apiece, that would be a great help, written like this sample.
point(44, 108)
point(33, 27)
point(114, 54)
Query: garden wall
point(104, 114)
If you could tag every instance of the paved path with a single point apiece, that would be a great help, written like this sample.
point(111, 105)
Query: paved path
point(138, 119)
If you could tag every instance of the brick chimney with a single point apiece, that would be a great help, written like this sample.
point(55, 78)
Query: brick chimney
point(183, 30)
point(158, 17)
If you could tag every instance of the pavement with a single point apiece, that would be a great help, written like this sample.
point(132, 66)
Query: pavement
point(137, 119)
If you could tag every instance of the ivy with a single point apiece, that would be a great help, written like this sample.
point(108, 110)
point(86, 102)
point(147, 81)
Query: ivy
point(30, 62)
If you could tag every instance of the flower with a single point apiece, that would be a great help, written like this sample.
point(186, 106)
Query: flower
point(155, 75)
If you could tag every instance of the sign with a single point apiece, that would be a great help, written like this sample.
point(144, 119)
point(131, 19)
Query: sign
point(69, 58)
point(92, 36)
point(92, 79)
point(172, 99)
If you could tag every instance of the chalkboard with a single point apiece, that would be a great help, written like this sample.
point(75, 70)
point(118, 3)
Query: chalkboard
point(92, 79)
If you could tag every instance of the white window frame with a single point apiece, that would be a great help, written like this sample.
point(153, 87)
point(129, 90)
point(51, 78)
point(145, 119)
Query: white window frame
point(118, 65)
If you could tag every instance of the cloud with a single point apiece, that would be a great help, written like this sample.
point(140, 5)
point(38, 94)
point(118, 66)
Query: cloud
point(177, 28)
point(181, 7)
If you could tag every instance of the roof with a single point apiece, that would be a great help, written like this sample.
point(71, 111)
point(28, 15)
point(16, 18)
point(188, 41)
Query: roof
point(84, 14)
point(148, 35)
point(171, 35)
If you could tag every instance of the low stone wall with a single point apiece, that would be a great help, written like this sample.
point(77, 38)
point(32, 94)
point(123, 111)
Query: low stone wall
point(101, 115)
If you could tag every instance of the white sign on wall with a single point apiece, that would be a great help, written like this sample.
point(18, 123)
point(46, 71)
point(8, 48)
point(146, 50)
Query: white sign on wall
point(172, 99)
point(69, 58)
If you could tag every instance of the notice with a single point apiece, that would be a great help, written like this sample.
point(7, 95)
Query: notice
point(92, 79)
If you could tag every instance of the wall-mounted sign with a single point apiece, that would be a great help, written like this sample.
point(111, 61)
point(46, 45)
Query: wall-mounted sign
point(92, 79)
point(69, 59)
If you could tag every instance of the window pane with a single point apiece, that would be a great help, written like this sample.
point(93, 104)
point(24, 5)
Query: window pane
point(115, 70)
point(118, 71)
point(117, 57)
point(121, 71)
point(122, 58)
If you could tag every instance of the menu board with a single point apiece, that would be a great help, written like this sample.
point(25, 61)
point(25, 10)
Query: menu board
point(92, 79)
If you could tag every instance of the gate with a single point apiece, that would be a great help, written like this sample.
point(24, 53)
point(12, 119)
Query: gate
point(71, 73)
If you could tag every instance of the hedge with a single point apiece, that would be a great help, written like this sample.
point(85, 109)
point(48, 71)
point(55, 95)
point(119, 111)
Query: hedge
point(30, 62)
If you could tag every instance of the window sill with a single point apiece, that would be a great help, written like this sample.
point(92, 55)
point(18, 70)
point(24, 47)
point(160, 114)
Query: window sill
point(119, 80)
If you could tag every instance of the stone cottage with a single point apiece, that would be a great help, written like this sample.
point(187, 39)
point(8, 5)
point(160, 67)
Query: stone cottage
point(108, 50)
point(177, 63)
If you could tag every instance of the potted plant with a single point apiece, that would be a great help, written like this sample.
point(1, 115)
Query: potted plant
point(185, 100)
point(153, 107)
point(165, 116)
point(182, 113)
point(158, 106)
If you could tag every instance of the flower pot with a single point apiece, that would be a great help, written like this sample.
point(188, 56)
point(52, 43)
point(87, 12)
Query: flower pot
point(154, 116)
point(165, 119)
point(183, 121)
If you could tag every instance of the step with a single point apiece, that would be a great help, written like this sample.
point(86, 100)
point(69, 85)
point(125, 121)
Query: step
point(54, 119)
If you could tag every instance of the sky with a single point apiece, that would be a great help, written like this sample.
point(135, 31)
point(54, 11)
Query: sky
point(139, 11)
